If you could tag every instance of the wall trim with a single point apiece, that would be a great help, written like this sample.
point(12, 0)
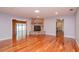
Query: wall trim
point(77, 43)
point(5, 38)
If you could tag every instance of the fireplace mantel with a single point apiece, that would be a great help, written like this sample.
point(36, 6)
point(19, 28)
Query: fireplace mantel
point(37, 21)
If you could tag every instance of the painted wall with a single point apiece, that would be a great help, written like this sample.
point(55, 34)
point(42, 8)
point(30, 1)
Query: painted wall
point(49, 25)
point(69, 26)
point(28, 25)
point(77, 25)
point(6, 25)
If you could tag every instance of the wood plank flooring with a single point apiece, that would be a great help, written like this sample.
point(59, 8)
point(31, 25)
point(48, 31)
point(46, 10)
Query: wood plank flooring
point(42, 43)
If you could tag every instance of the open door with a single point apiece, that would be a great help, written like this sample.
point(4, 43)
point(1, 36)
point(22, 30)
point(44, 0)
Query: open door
point(19, 30)
point(60, 30)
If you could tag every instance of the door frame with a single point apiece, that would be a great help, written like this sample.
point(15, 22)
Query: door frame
point(14, 21)
point(60, 31)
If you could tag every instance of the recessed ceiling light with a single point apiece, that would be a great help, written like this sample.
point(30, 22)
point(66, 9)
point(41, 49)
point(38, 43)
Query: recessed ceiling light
point(56, 13)
point(36, 11)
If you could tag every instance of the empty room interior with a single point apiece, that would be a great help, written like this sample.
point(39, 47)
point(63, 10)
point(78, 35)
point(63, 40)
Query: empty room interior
point(39, 29)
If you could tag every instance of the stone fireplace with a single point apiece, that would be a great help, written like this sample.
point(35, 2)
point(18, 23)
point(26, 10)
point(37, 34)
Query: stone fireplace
point(37, 26)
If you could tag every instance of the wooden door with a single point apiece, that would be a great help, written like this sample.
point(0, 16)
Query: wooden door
point(19, 30)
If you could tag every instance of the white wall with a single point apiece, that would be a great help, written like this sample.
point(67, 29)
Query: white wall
point(69, 26)
point(49, 25)
point(6, 25)
point(28, 25)
point(77, 25)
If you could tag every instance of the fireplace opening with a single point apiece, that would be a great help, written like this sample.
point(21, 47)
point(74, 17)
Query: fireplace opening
point(37, 28)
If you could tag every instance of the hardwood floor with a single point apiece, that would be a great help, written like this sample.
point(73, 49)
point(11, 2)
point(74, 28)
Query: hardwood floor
point(43, 43)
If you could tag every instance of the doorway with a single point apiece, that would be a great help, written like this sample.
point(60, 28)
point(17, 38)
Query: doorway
point(19, 30)
point(60, 30)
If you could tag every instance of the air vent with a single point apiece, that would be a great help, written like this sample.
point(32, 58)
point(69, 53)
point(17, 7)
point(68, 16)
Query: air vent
point(71, 9)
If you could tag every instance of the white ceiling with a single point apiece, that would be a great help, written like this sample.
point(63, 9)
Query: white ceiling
point(44, 11)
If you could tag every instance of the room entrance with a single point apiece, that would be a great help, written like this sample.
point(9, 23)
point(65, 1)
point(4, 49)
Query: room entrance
point(19, 30)
point(60, 30)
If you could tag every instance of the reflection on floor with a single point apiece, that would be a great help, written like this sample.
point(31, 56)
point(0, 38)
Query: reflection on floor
point(39, 44)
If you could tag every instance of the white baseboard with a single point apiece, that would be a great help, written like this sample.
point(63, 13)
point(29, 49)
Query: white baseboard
point(69, 36)
point(64, 35)
point(77, 43)
point(5, 38)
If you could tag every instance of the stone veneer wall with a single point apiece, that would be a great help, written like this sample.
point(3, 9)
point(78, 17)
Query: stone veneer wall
point(37, 21)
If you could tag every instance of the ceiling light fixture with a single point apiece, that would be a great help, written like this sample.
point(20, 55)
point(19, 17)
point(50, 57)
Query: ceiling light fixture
point(36, 11)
